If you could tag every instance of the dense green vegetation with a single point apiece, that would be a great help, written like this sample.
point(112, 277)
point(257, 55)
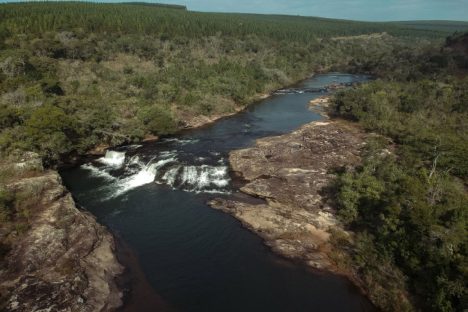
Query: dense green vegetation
point(446, 26)
point(161, 5)
point(74, 75)
point(139, 18)
point(407, 202)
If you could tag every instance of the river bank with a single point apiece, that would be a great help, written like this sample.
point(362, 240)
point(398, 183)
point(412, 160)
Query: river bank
point(117, 284)
point(193, 122)
point(116, 250)
point(59, 258)
point(55, 255)
point(154, 196)
point(187, 122)
point(291, 173)
point(93, 261)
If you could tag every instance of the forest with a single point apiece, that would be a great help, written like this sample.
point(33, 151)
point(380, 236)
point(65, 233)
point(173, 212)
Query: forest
point(75, 75)
point(407, 202)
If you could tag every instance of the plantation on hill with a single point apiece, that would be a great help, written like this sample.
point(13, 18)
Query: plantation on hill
point(140, 17)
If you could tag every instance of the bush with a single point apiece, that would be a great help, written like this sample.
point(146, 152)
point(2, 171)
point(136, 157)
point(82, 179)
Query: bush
point(408, 207)
point(157, 120)
point(7, 200)
point(50, 132)
point(9, 117)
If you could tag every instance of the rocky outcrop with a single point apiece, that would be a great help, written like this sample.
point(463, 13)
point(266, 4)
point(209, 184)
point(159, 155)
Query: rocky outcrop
point(188, 121)
point(64, 260)
point(290, 173)
point(320, 105)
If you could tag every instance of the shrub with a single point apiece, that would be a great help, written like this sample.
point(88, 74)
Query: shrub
point(7, 200)
point(157, 120)
point(49, 131)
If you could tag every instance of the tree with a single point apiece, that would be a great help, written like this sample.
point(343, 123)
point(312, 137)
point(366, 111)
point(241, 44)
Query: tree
point(50, 131)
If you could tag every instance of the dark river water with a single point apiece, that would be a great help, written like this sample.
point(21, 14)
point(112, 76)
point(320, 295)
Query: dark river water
point(197, 258)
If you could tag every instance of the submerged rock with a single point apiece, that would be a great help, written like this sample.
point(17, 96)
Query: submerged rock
point(291, 173)
point(64, 260)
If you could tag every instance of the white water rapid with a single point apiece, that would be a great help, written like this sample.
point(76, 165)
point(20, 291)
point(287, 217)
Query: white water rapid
point(165, 169)
point(113, 158)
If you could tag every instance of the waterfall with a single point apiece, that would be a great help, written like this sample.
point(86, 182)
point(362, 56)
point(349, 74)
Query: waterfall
point(146, 175)
point(113, 159)
point(96, 172)
point(199, 179)
point(164, 168)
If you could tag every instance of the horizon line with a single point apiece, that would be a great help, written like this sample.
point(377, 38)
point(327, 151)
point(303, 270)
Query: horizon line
point(231, 12)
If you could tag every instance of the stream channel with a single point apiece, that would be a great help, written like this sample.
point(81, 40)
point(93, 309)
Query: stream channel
point(153, 196)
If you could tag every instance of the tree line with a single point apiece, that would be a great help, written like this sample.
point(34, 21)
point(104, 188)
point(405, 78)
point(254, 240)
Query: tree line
point(74, 75)
point(407, 202)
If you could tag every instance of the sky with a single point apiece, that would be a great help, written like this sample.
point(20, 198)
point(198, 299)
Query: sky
point(371, 10)
point(368, 10)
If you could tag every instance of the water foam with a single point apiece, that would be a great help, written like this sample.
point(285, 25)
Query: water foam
point(181, 141)
point(170, 175)
point(146, 175)
point(133, 147)
point(289, 91)
point(135, 160)
point(162, 169)
point(97, 172)
point(199, 179)
point(113, 159)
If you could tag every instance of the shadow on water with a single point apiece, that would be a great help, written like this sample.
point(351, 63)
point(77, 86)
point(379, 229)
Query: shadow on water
point(197, 258)
point(138, 293)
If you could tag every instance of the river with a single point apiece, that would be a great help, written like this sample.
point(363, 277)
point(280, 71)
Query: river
point(196, 258)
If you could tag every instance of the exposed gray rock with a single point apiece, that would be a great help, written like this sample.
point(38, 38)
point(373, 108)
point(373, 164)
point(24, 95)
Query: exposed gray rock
point(29, 161)
point(65, 261)
point(290, 173)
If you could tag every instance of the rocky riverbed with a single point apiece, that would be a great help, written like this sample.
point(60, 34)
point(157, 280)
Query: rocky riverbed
point(62, 259)
point(290, 172)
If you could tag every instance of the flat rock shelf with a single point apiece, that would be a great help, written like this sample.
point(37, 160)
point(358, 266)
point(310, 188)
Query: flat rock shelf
point(291, 172)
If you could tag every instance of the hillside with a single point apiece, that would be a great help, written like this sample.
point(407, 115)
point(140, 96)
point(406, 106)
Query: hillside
point(76, 75)
point(442, 26)
point(154, 18)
